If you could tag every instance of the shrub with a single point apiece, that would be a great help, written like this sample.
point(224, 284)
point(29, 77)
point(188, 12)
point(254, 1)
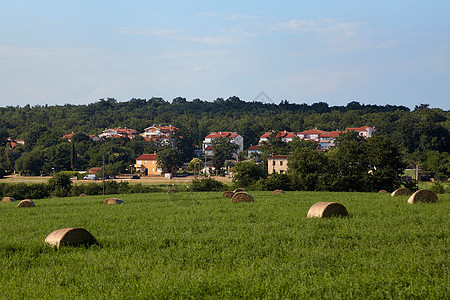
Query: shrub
point(278, 182)
point(412, 185)
point(208, 184)
point(246, 173)
point(60, 184)
point(22, 191)
point(437, 188)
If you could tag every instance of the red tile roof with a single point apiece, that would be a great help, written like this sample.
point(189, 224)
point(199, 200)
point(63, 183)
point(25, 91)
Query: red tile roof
point(255, 147)
point(332, 134)
point(147, 157)
point(68, 136)
point(312, 131)
point(279, 157)
point(363, 128)
point(228, 134)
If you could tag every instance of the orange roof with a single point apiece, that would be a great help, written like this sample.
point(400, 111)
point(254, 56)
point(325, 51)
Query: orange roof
point(228, 134)
point(169, 127)
point(147, 157)
point(312, 131)
point(94, 170)
point(255, 147)
point(279, 157)
point(68, 136)
point(332, 134)
point(363, 128)
point(282, 134)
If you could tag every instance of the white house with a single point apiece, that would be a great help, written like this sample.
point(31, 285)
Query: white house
point(233, 136)
point(118, 132)
point(365, 131)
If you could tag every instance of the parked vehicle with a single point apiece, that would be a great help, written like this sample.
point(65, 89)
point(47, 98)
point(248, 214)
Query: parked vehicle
point(90, 177)
point(135, 177)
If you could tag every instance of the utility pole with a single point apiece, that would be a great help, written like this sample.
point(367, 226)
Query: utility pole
point(417, 172)
point(103, 179)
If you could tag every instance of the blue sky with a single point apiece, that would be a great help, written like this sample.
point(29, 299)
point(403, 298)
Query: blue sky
point(374, 52)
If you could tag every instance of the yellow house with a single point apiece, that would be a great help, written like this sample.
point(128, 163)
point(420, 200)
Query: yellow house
point(146, 163)
point(277, 164)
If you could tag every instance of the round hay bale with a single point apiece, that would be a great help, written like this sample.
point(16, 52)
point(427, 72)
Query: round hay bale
point(83, 195)
point(242, 197)
point(401, 192)
point(113, 201)
point(278, 192)
point(26, 203)
point(172, 191)
point(239, 190)
point(8, 199)
point(382, 191)
point(426, 196)
point(326, 210)
point(228, 194)
point(70, 237)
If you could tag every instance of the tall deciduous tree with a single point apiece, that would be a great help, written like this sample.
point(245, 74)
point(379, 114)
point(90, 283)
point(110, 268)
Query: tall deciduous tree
point(169, 159)
point(223, 149)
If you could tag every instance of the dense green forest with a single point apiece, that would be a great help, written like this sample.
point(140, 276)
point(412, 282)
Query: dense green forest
point(422, 135)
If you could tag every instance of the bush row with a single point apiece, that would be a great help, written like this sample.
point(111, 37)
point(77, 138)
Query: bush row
point(22, 191)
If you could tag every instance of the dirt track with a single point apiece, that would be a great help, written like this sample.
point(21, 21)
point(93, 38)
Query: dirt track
point(144, 180)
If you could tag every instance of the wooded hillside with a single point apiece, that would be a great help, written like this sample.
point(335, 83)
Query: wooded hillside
point(422, 134)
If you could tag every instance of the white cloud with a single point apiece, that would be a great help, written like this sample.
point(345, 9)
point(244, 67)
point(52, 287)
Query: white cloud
point(180, 36)
point(319, 26)
point(231, 17)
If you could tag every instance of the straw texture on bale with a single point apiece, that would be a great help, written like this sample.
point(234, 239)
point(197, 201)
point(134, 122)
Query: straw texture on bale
point(278, 192)
point(426, 196)
point(401, 192)
point(70, 237)
point(172, 191)
point(239, 190)
point(83, 195)
point(242, 197)
point(326, 210)
point(113, 201)
point(26, 203)
point(228, 194)
point(382, 191)
point(8, 199)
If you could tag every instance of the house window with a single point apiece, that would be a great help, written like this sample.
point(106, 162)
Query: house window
point(153, 169)
point(281, 171)
point(281, 163)
point(274, 163)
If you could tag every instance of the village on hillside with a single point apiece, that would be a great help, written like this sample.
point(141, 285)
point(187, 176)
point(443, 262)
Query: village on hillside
point(147, 163)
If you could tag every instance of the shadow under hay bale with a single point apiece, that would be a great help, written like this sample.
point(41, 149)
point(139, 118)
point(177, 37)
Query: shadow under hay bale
point(425, 196)
point(70, 237)
point(382, 192)
point(26, 203)
point(326, 210)
point(239, 190)
point(228, 194)
point(278, 192)
point(401, 192)
point(8, 199)
point(113, 201)
point(171, 191)
point(242, 197)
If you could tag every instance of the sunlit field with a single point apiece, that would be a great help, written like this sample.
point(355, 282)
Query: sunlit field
point(199, 245)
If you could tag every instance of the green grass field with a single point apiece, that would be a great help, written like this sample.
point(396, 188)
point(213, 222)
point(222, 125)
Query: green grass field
point(199, 245)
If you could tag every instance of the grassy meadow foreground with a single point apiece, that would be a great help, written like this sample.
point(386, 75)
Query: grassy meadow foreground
point(199, 245)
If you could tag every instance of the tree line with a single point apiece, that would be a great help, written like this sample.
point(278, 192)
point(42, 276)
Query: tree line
point(422, 135)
